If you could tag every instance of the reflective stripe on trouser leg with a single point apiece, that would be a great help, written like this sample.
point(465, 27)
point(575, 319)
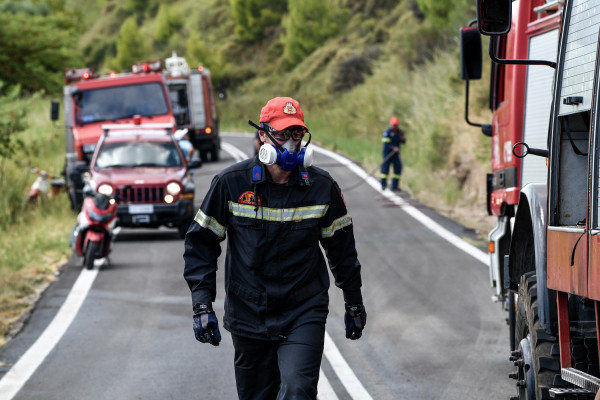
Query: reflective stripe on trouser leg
point(395, 181)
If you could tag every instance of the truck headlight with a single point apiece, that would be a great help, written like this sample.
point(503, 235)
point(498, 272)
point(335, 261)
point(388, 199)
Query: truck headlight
point(173, 188)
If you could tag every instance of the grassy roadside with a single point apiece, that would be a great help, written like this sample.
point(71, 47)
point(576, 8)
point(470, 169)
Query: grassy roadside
point(36, 243)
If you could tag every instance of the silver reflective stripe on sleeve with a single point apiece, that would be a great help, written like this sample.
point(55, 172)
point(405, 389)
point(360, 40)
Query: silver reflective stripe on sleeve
point(277, 214)
point(210, 223)
point(338, 224)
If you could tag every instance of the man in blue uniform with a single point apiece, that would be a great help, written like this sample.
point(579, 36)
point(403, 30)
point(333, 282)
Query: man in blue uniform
point(392, 138)
point(276, 210)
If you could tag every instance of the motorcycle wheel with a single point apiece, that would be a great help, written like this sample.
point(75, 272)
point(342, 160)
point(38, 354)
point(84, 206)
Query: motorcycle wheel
point(90, 254)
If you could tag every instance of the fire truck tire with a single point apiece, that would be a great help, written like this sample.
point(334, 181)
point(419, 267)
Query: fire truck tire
point(90, 254)
point(214, 154)
point(546, 365)
point(204, 155)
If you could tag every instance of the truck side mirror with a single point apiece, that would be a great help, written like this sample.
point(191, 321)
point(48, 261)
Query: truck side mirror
point(470, 53)
point(493, 16)
point(54, 107)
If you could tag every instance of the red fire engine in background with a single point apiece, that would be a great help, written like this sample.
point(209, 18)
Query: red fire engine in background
point(194, 106)
point(90, 101)
point(520, 101)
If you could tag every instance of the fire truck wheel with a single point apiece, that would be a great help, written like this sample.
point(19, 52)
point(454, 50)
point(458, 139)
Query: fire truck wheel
point(204, 155)
point(536, 365)
point(214, 154)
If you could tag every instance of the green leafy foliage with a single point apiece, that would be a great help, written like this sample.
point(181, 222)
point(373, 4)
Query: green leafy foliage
point(25, 7)
point(443, 14)
point(252, 17)
point(132, 46)
point(169, 20)
point(308, 24)
point(36, 49)
point(11, 122)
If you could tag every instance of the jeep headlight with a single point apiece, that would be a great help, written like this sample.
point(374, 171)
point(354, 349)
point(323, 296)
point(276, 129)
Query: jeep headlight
point(173, 188)
point(105, 189)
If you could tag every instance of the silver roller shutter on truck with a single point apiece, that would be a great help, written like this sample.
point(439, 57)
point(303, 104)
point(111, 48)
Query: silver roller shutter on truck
point(196, 99)
point(538, 101)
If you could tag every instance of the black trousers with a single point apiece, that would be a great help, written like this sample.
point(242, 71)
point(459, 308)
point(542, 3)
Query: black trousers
point(286, 369)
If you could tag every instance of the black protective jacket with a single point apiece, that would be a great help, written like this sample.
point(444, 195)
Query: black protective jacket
point(275, 274)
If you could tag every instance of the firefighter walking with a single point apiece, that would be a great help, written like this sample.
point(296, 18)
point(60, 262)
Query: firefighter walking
point(392, 138)
point(276, 211)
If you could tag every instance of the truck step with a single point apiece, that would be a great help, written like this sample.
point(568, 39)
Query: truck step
point(581, 379)
point(573, 393)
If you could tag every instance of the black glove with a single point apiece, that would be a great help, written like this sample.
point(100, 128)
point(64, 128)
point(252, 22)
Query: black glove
point(355, 320)
point(206, 325)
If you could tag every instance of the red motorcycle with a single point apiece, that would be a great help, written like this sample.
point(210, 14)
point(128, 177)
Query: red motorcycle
point(91, 237)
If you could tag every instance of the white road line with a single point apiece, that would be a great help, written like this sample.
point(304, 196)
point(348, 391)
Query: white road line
point(236, 153)
point(353, 386)
point(324, 388)
point(410, 210)
point(16, 377)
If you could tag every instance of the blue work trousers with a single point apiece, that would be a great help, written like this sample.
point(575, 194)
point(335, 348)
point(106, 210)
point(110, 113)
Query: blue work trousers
point(278, 370)
point(385, 168)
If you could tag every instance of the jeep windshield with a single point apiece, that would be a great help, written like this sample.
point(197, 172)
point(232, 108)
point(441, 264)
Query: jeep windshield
point(138, 154)
point(118, 102)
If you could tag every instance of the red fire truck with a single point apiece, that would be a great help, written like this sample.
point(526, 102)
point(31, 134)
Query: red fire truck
point(520, 101)
point(194, 106)
point(90, 101)
point(553, 260)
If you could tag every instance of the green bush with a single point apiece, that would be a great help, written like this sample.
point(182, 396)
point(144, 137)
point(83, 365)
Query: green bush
point(253, 16)
point(35, 50)
point(132, 46)
point(169, 20)
point(308, 25)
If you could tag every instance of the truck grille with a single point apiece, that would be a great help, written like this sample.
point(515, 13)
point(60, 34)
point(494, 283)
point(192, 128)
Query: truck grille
point(141, 194)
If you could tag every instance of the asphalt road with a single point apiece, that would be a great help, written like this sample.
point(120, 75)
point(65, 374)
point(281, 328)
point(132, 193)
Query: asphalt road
point(125, 331)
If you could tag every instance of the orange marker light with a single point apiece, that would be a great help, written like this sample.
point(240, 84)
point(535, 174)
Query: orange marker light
point(491, 247)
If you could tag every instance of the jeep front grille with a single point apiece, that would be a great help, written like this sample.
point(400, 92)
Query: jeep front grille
point(141, 194)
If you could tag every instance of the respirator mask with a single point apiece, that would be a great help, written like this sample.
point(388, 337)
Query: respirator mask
point(288, 155)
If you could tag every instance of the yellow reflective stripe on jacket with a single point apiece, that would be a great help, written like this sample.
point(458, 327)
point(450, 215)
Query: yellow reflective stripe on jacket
point(386, 140)
point(338, 224)
point(277, 214)
point(210, 223)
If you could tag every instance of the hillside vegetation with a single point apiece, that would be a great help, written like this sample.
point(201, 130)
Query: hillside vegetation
point(351, 63)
